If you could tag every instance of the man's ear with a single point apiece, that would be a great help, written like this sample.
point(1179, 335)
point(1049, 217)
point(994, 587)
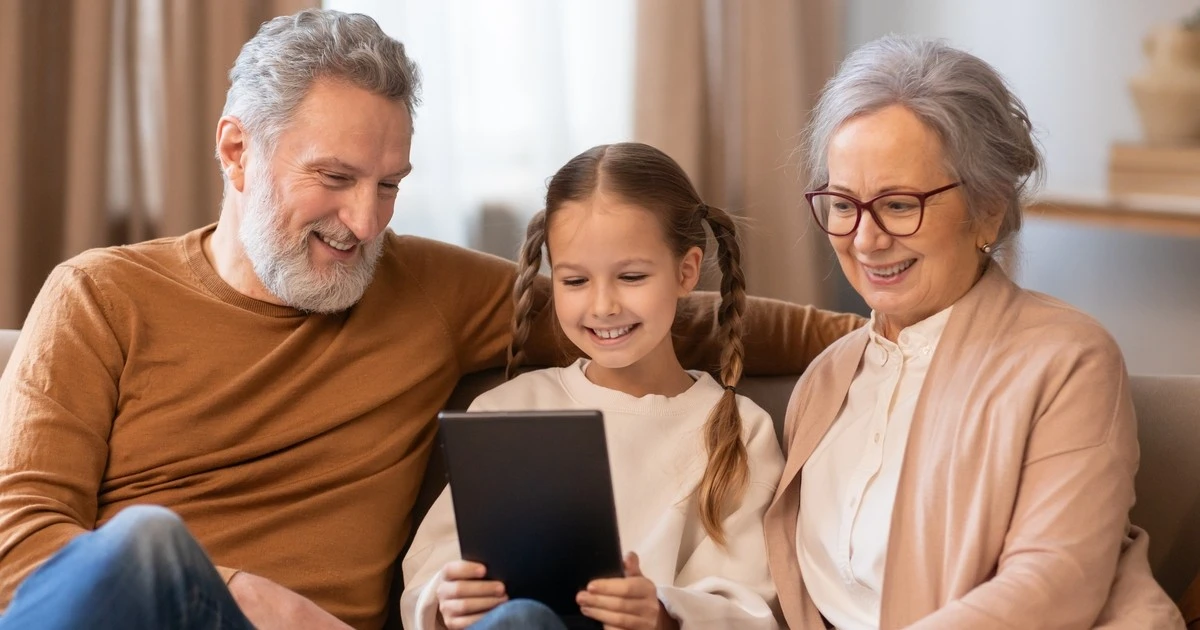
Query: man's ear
point(232, 150)
point(689, 270)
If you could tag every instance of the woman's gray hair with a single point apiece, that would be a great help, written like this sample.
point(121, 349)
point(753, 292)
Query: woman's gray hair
point(986, 135)
point(277, 67)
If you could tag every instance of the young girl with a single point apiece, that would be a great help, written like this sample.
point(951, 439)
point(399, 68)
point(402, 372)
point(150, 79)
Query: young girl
point(694, 465)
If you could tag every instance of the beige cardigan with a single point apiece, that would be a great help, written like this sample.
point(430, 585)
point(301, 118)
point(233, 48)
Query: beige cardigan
point(1013, 502)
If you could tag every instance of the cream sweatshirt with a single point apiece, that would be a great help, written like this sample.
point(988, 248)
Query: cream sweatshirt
point(657, 457)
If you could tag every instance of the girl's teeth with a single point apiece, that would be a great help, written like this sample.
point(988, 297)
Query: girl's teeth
point(612, 333)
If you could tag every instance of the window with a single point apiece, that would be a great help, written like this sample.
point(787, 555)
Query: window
point(511, 89)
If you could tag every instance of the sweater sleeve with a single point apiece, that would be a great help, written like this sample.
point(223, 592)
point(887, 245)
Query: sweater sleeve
point(58, 398)
point(730, 587)
point(780, 338)
point(1064, 540)
point(473, 292)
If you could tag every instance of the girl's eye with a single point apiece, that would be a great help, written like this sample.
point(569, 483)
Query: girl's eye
point(633, 277)
point(574, 282)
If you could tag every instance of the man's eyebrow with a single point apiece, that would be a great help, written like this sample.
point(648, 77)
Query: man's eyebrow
point(335, 163)
point(332, 162)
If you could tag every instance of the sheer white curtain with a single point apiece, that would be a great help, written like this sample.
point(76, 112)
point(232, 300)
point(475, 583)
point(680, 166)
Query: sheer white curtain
point(511, 90)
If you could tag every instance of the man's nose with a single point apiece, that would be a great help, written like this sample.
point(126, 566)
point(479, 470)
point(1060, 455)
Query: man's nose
point(362, 214)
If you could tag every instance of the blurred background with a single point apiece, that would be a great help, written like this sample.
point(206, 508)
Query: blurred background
point(108, 110)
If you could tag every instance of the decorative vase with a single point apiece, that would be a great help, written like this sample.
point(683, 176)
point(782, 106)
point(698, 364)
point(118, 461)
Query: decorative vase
point(1167, 92)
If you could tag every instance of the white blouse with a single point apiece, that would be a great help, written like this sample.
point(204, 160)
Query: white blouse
point(848, 485)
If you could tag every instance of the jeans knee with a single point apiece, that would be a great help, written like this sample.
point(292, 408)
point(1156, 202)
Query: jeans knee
point(142, 530)
point(145, 521)
point(527, 613)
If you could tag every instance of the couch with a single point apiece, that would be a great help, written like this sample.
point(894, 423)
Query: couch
point(1168, 481)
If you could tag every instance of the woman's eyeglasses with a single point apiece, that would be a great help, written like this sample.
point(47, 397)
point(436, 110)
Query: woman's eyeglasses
point(896, 213)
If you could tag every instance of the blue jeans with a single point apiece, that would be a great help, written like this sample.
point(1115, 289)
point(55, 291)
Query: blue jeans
point(142, 569)
point(520, 614)
point(527, 614)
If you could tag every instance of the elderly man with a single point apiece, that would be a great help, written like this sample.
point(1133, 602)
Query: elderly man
point(270, 381)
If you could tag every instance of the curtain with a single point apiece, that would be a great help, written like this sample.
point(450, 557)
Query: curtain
point(511, 90)
point(108, 111)
point(725, 87)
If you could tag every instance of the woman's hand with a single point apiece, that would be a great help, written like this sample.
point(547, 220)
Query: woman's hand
point(628, 603)
point(464, 596)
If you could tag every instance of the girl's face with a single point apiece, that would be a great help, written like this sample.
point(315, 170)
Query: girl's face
point(617, 282)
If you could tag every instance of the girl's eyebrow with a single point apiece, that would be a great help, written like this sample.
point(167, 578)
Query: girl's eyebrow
point(569, 266)
point(625, 262)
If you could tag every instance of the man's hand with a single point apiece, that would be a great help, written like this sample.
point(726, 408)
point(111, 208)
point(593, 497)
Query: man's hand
point(270, 606)
point(628, 603)
point(464, 596)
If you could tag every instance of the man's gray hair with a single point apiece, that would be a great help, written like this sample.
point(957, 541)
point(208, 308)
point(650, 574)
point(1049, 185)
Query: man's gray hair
point(985, 132)
point(278, 66)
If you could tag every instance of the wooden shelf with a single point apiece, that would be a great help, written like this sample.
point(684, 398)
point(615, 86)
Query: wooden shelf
point(1175, 216)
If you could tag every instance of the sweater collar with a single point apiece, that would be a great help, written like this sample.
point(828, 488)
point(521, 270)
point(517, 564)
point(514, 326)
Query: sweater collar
point(699, 398)
point(193, 250)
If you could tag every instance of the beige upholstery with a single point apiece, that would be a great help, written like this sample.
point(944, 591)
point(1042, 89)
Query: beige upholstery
point(1168, 480)
point(1168, 483)
point(8, 339)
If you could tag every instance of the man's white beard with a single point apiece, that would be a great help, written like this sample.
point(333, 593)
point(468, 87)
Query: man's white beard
point(282, 262)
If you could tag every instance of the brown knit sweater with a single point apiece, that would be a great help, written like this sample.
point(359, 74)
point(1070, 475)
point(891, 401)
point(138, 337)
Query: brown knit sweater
point(292, 445)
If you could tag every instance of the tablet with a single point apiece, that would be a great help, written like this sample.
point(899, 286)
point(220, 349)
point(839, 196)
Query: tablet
point(533, 500)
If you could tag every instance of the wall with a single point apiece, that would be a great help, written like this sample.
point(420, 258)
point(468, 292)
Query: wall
point(1069, 61)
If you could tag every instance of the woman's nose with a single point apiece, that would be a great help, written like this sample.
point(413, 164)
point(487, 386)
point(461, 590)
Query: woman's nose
point(869, 237)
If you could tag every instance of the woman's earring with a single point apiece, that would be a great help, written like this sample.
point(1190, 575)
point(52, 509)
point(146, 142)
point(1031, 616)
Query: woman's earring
point(986, 248)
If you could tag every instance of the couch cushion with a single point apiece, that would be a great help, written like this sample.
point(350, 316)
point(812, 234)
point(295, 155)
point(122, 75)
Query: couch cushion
point(8, 339)
point(1168, 480)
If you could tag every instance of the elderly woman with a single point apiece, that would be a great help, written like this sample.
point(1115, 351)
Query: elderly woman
point(966, 460)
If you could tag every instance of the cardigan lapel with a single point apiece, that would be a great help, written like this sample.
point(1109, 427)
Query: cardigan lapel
point(917, 546)
point(810, 414)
